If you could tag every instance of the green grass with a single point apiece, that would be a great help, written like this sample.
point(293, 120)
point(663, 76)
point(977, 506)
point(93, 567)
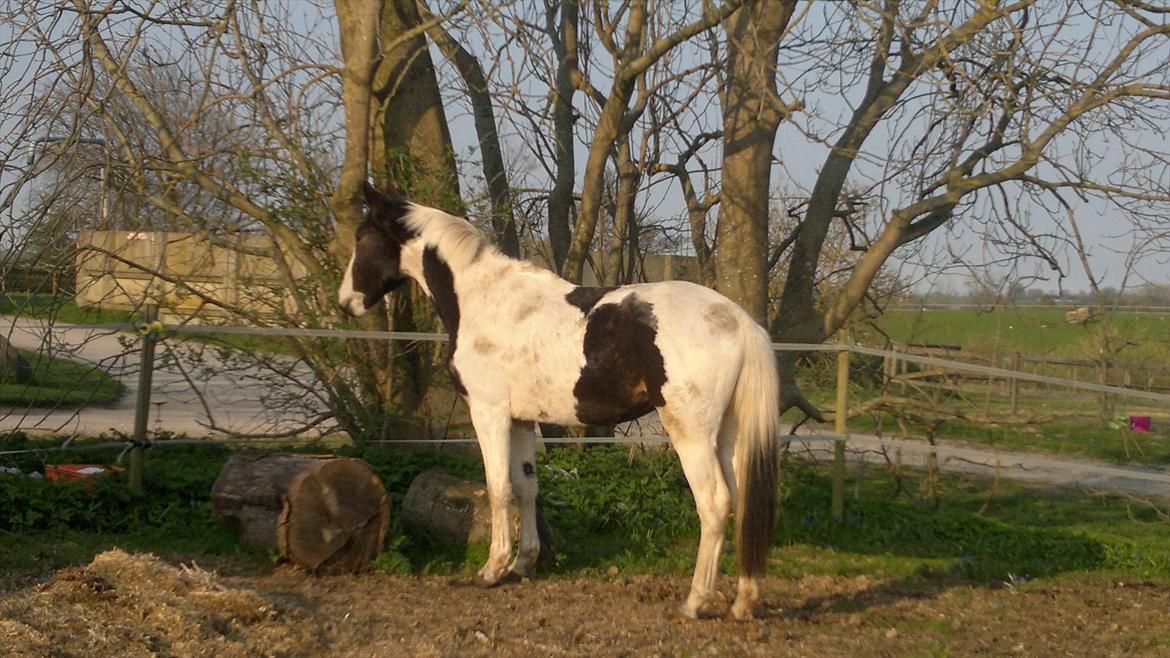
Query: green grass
point(60, 309)
point(59, 382)
point(1089, 438)
point(1076, 427)
point(1031, 331)
point(1024, 533)
point(63, 309)
point(611, 509)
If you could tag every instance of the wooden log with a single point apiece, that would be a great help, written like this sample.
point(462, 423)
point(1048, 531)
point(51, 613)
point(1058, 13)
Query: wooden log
point(457, 512)
point(323, 513)
point(13, 366)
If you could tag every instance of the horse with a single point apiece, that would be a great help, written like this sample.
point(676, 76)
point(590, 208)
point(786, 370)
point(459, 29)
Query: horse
point(526, 346)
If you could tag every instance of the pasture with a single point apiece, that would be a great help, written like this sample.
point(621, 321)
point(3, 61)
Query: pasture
point(1031, 330)
point(1014, 569)
point(1043, 418)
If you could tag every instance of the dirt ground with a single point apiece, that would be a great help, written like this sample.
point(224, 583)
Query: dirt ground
point(137, 605)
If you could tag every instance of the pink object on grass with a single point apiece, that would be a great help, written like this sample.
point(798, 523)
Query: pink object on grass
point(1139, 423)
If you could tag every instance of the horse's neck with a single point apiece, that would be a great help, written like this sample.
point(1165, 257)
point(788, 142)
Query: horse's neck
point(494, 275)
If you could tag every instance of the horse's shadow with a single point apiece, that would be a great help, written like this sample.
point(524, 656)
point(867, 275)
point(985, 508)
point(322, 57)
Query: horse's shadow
point(909, 588)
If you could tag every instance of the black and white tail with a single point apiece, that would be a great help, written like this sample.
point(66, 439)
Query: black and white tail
point(756, 405)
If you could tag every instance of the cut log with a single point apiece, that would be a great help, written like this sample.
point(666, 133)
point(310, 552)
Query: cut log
point(323, 513)
point(456, 512)
point(13, 366)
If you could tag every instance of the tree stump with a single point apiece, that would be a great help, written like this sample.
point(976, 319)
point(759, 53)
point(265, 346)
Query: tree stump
point(326, 514)
point(13, 366)
point(457, 512)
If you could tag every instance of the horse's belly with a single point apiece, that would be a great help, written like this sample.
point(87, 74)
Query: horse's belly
point(544, 400)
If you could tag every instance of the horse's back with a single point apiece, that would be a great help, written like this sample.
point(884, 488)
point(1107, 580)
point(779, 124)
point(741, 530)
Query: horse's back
point(570, 354)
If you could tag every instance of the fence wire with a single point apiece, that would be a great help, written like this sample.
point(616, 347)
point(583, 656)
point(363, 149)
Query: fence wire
point(859, 445)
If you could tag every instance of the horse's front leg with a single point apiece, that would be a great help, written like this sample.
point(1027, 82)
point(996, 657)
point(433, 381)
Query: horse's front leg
point(493, 427)
point(524, 488)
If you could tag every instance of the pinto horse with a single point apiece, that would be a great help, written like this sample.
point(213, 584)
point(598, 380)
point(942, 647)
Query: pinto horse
point(527, 346)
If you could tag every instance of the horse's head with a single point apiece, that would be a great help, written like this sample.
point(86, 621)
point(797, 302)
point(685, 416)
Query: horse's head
point(376, 266)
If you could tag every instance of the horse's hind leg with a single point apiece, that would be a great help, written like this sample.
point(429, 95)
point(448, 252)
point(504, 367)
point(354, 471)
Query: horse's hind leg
point(696, 451)
point(524, 487)
point(747, 593)
point(493, 430)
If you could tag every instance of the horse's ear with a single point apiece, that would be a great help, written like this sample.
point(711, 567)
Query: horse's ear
point(389, 207)
point(375, 197)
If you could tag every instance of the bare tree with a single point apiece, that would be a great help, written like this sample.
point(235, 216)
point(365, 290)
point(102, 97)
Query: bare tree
point(986, 103)
point(235, 119)
point(752, 111)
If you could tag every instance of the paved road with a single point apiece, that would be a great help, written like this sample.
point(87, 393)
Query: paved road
point(238, 402)
point(184, 400)
point(1143, 482)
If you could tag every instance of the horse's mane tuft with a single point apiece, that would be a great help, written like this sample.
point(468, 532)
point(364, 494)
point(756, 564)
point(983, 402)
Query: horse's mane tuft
point(458, 242)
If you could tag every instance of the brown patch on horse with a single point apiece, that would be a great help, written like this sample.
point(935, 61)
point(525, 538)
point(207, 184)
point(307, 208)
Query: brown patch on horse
point(525, 311)
point(624, 371)
point(378, 246)
point(441, 282)
point(586, 297)
point(722, 317)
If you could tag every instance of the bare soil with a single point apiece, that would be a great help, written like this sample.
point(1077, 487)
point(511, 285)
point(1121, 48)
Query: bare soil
point(138, 605)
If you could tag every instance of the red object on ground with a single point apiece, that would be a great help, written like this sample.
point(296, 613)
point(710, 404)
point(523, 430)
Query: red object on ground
point(59, 472)
point(1139, 423)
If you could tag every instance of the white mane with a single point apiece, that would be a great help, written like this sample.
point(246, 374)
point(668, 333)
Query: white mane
point(457, 240)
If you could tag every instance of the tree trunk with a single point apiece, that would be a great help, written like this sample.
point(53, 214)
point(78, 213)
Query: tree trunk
point(412, 142)
point(325, 514)
point(494, 171)
point(456, 512)
point(560, 199)
point(13, 366)
point(622, 248)
point(411, 149)
point(751, 114)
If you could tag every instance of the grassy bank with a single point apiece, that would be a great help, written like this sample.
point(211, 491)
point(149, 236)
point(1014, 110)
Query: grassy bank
point(57, 382)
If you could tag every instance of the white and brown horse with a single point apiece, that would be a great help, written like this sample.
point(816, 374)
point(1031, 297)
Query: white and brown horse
point(527, 346)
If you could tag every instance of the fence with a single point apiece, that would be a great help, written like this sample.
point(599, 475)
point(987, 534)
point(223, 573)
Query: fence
point(873, 443)
point(1129, 375)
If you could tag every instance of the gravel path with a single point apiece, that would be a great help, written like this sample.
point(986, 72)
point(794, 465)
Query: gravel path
point(234, 398)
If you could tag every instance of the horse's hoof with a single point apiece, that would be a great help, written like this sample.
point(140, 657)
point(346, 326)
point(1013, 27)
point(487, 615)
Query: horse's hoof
point(697, 612)
point(507, 579)
point(510, 578)
point(483, 583)
point(743, 613)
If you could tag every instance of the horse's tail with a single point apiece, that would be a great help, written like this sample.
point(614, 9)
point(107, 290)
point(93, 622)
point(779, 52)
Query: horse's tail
point(756, 405)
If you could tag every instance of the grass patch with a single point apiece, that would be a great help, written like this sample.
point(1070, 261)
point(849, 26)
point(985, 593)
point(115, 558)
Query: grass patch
point(611, 507)
point(1089, 437)
point(63, 309)
point(1029, 331)
point(57, 382)
point(60, 308)
point(1024, 533)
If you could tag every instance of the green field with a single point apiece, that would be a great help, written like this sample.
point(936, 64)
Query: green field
point(1032, 331)
point(1048, 418)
